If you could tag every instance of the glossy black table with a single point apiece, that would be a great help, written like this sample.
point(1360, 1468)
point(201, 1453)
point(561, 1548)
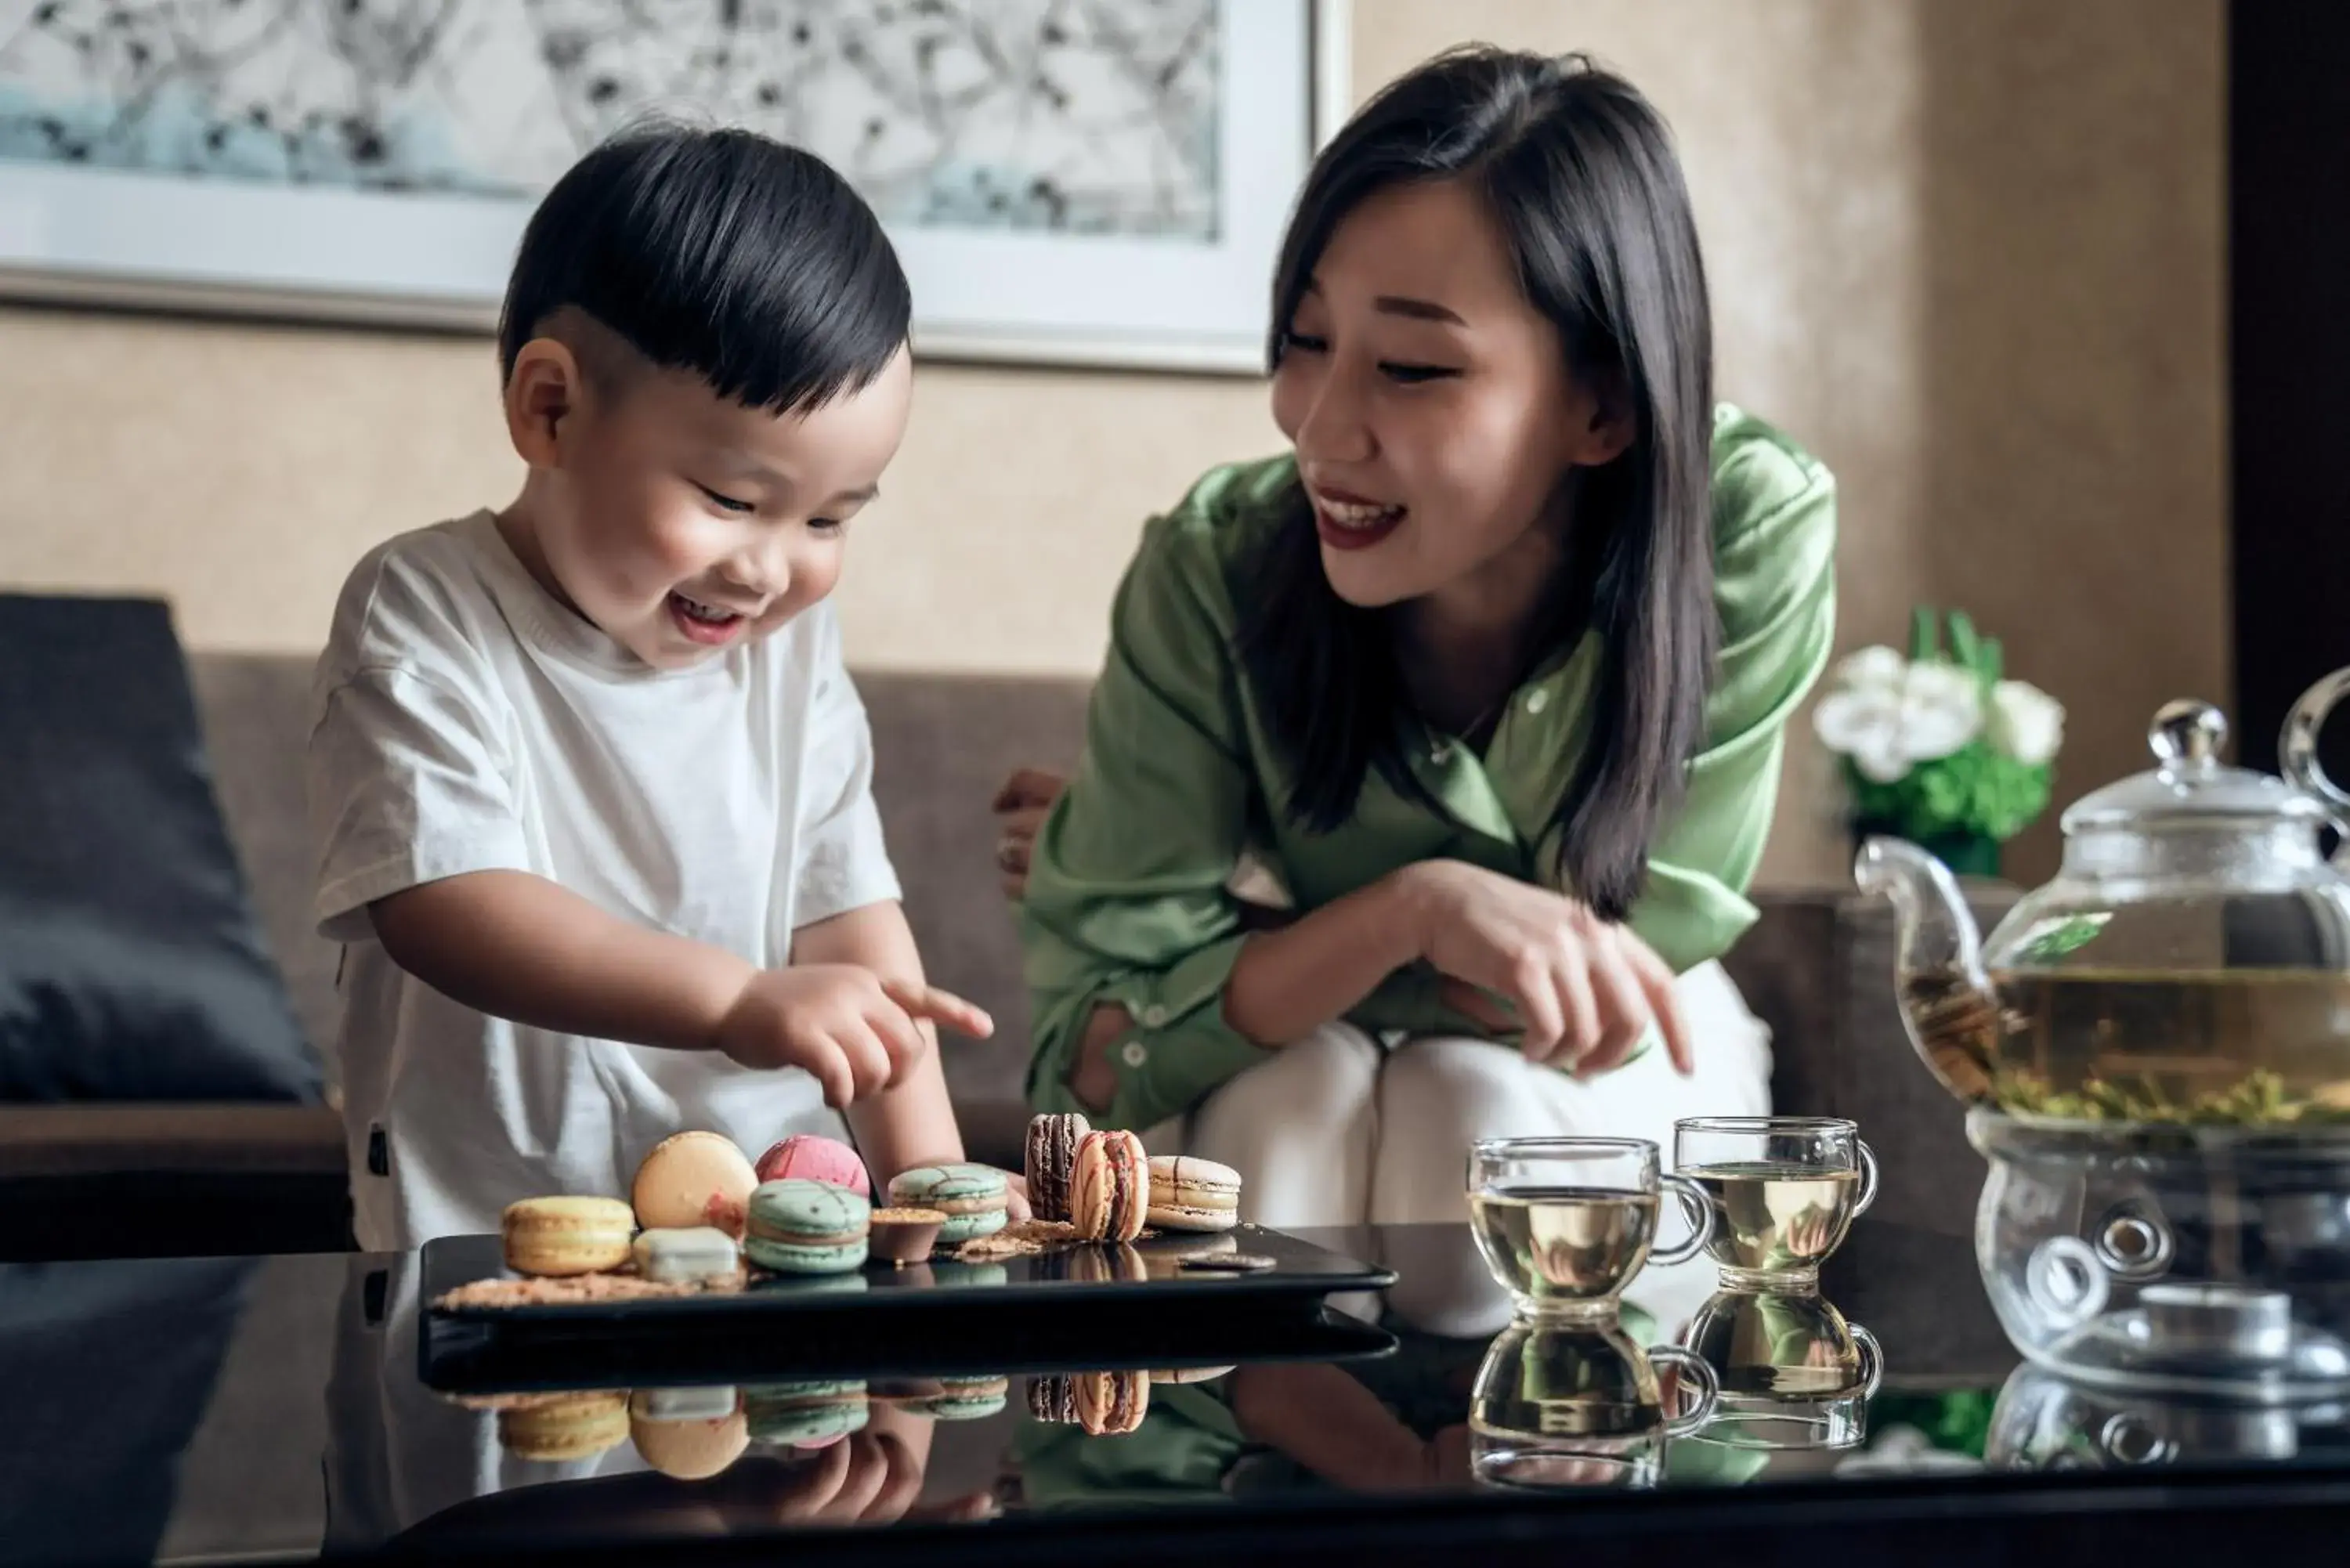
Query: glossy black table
point(279, 1409)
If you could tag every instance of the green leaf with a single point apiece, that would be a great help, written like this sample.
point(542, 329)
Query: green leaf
point(1966, 648)
point(1922, 636)
point(1994, 662)
point(2047, 940)
point(1974, 790)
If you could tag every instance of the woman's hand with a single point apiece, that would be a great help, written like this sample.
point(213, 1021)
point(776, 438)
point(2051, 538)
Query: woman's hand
point(1582, 990)
point(1016, 1206)
point(1092, 1079)
point(1020, 807)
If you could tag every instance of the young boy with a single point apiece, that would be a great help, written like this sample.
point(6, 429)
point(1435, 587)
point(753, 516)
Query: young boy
point(589, 787)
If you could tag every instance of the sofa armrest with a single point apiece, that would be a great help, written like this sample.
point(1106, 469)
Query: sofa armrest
point(107, 1137)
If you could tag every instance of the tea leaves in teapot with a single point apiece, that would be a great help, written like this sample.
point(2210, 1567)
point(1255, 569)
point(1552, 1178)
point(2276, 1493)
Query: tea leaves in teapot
point(1957, 1026)
point(2265, 1047)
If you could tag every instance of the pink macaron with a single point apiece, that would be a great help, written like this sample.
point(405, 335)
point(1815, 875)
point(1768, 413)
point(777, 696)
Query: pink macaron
point(804, 1157)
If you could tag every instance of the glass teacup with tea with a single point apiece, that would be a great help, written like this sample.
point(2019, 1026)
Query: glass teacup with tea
point(1565, 1402)
point(1780, 1192)
point(1794, 1373)
point(1564, 1224)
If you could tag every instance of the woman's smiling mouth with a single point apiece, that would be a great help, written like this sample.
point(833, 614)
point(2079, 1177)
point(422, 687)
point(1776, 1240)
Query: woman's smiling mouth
point(1349, 522)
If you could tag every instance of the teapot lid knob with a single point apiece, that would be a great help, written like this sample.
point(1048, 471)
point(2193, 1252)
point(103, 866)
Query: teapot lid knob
point(2186, 731)
point(2191, 787)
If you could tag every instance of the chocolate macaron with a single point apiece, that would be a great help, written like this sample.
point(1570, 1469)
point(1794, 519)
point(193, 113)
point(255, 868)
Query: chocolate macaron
point(1053, 1396)
point(1052, 1150)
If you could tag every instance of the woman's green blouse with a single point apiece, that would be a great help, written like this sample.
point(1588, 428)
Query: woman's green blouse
point(1130, 898)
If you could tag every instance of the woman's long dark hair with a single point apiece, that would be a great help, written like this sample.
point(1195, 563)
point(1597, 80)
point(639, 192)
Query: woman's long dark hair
point(1579, 170)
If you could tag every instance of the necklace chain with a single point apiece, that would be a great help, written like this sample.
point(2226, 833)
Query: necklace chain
point(1440, 751)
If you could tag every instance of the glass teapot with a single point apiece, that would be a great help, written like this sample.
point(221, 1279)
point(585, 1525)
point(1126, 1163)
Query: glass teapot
point(2189, 964)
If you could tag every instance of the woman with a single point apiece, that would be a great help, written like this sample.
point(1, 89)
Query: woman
point(1483, 689)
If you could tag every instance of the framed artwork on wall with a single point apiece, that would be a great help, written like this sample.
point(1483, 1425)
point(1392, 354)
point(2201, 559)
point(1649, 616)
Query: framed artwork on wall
point(1072, 182)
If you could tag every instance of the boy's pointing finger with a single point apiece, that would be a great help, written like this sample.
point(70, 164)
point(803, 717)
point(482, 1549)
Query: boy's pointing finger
point(943, 1008)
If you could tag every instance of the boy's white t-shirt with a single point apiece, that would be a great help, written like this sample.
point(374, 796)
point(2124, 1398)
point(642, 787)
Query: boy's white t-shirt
point(463, 720)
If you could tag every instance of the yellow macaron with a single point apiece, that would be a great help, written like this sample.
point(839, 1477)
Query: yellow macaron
point(557, 1236)
point(576, 1427)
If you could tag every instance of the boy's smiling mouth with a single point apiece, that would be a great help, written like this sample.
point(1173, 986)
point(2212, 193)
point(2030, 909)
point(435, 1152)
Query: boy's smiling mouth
point(708, 624)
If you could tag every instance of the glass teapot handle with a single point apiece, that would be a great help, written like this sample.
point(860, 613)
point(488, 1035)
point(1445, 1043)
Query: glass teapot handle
point(2297, 747)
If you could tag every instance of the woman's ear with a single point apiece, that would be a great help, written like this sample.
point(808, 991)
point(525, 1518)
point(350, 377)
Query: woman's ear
point(545, 392)
point(1604, 424)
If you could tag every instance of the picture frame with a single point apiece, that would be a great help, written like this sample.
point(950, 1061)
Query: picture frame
point(78, 234)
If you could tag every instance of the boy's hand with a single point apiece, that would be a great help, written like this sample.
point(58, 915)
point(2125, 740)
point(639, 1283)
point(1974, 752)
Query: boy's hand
point(847, 1027)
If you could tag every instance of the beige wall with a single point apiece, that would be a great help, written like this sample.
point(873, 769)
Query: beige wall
point(1970, 250)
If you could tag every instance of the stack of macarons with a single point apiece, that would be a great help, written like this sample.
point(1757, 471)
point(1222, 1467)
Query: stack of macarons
point(696, 1432)
point(699, 1208)
point(692, 1197)
point(1103, 1184)
point(1097, 1182)
point(1104, 1404)
point(699, 1205)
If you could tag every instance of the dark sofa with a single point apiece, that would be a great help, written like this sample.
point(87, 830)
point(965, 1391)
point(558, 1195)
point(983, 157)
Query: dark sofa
point(270, 1178)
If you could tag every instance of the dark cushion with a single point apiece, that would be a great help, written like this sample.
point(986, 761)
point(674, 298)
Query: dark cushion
point(130, 963)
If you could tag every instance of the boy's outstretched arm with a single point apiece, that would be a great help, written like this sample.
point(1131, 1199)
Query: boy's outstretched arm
point(518, 946)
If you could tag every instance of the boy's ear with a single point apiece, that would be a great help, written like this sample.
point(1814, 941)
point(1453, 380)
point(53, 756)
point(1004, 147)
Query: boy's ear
point(545, 390)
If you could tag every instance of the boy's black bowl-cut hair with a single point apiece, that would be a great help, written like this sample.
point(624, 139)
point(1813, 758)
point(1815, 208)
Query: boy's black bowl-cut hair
point(750, 264)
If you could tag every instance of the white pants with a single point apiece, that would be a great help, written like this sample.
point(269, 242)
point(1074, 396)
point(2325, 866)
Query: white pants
point(1339, 1129)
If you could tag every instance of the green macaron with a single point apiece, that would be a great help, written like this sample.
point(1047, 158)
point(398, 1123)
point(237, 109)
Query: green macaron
point(970, 1276)
point(972, 1197)
point(806, 1228)
point(965, 1399)
point(806, 1414)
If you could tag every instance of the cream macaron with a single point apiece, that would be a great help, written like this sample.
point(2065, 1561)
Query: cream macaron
point(1190, 1194)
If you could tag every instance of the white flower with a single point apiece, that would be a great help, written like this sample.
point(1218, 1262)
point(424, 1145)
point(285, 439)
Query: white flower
point(1932, 710)
point(2025, 723)
point(1945, 686)
point(1873, 668)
